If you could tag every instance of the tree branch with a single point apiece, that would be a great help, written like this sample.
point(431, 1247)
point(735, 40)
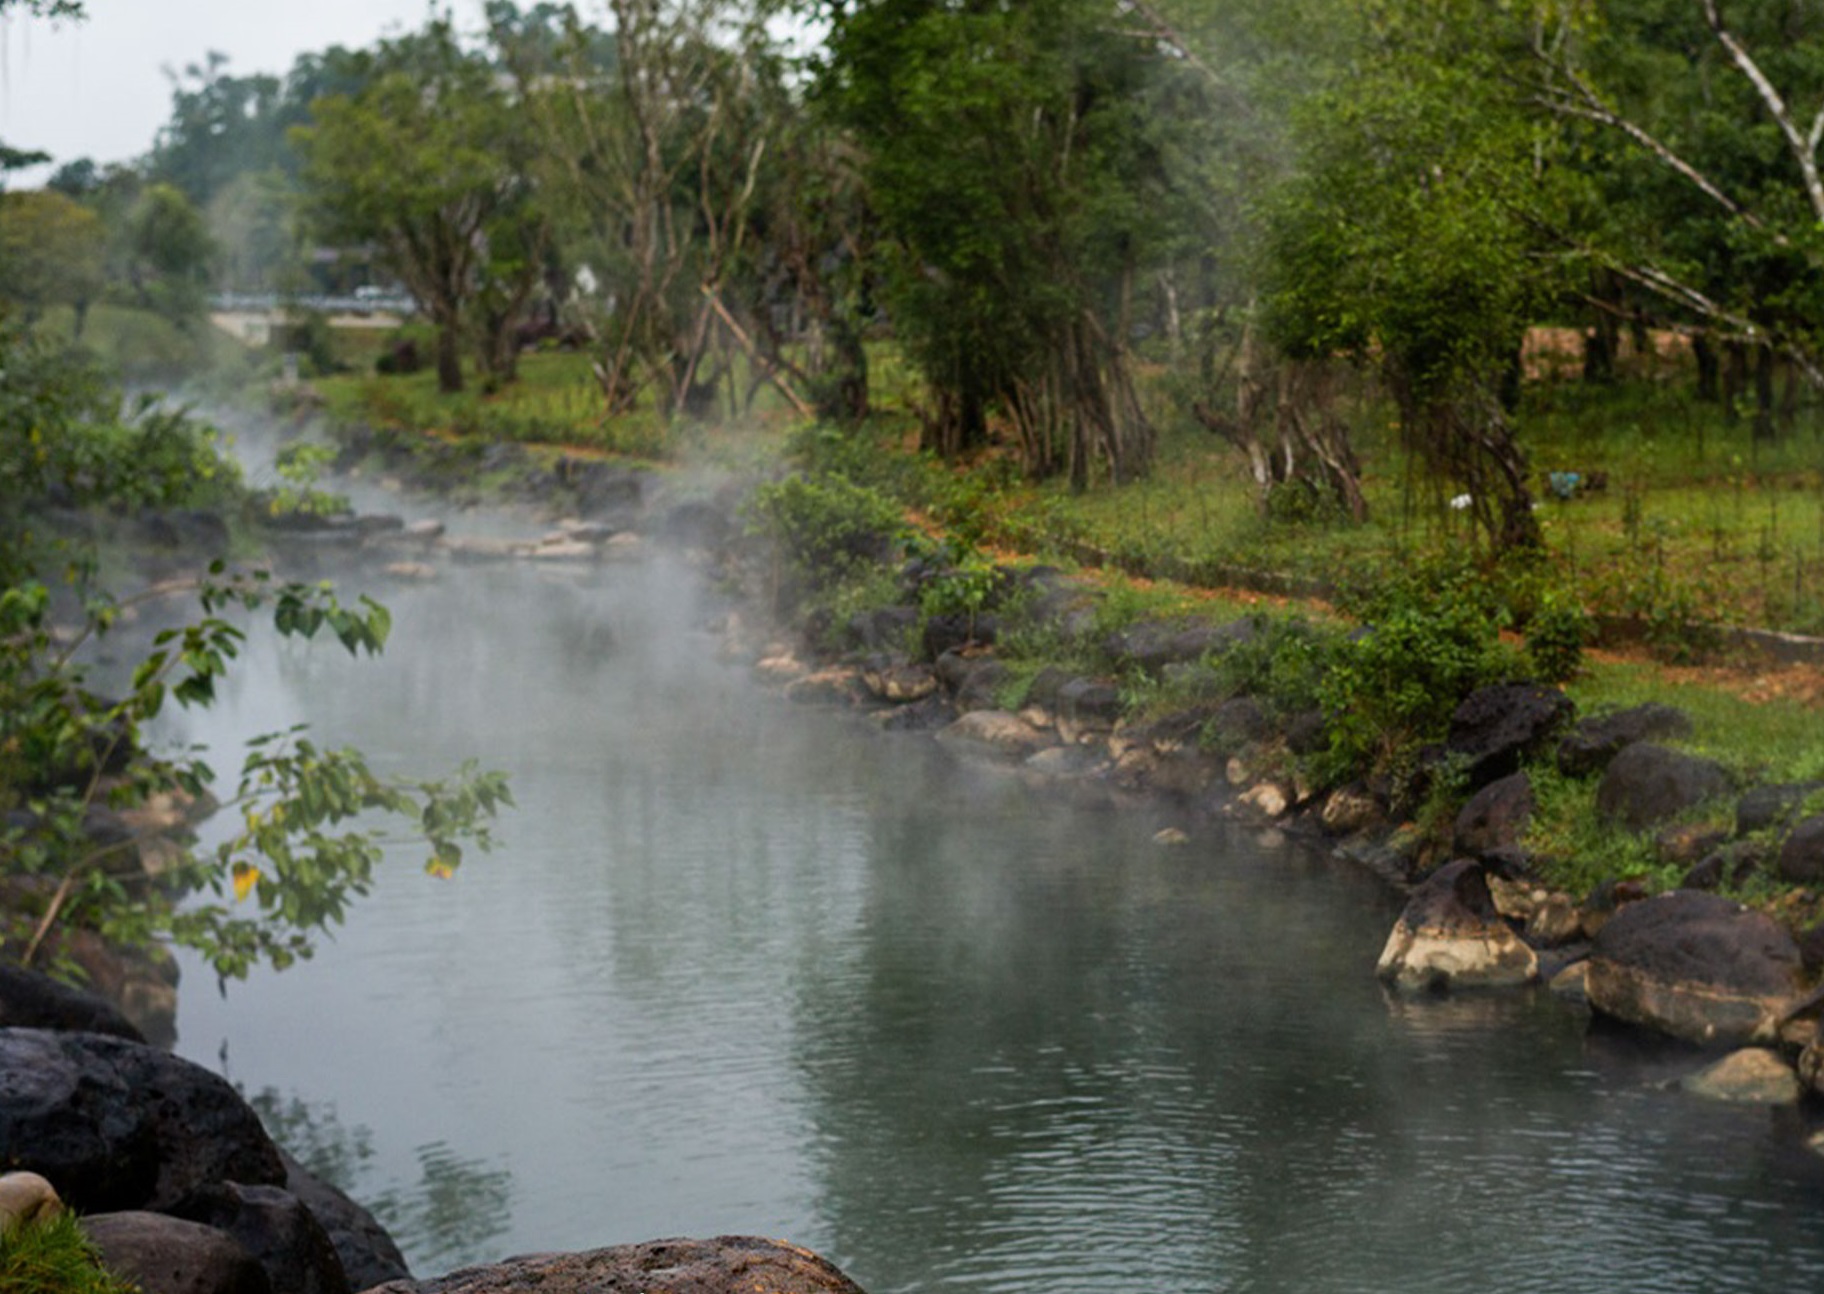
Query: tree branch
point(1804, 149)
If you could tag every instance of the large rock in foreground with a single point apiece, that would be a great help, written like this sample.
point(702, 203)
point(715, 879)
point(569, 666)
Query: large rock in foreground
point(1697, 967)
point(725, 1265)
point(1451, 936)
point(119, 1125)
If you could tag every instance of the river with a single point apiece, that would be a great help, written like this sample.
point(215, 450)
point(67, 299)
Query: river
point(742, 967)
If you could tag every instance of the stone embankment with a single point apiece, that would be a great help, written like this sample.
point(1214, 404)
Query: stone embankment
point(1689, 964)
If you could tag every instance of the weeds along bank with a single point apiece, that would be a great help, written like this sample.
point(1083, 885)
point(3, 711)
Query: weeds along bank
point(1652, 850)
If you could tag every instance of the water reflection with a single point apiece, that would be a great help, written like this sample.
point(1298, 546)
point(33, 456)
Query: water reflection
point(454, 1213)
point(743, 968)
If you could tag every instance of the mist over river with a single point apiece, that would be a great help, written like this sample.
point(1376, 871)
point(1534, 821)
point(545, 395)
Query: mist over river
point(742, 967)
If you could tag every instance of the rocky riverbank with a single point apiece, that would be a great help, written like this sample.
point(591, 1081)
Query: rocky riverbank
point(124, 1131)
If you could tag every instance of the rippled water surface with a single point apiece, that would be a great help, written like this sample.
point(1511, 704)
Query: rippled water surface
point(742, 967)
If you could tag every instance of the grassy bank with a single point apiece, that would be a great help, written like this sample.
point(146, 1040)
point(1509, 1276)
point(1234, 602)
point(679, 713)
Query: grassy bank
point(1692, 521)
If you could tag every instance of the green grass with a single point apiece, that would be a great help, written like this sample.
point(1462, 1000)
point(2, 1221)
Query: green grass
point(54, 1257)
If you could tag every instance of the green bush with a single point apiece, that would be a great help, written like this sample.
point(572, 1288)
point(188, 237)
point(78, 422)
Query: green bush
point(1392, 687)
point(827, 526)
point(54, 1257)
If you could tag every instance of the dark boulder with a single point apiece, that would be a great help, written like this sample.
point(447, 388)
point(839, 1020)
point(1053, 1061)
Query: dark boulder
point(1802, 854)
point(1494, 728)
point(884, 629)
point(277, 1228)
point(972, 680)
point(1151, 645)
point(725, 1265)
point(29, 1000)
point(1307, 733)
point(1495, 817)
point(1729, 865)
point(1451, 936)
point(1239, 721)
point(118, 1125)
point(1589, 746)
point(1695, 966)
point(1646, 785)
point(953, 632)
point(928, 715)
point(367, 1252)
point(1089, 703)
point(1771, 806)
point(165, 1255)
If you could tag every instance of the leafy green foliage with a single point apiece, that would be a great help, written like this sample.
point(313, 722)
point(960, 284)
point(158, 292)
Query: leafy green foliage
point(54, 1257)
point(1393, 685)
point(826, 524)
point(306, 846)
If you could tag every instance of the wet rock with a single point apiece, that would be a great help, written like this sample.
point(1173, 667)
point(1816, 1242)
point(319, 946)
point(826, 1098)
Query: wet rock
point(725, 1265)
point(1268, 799)
point(26, 1197)
point(884, 629)
point(165, 1255)
point(995, 734)
point(1589, 746)
point(1802, 855)
point(1494, 728)
point(1608, 898)
point(424, 532)
point(1697, 967)
point(834, 686)
point(1733, 864)
point(1751, 1076)
point(1572, 984)
point(1496, 815)
point(1450, 936)
point(1771, 806)
point(1351, 809)
point(118, 1125)
point(29, 1000)
point(1686, 844)
point(929, 715)
point(276, 1228)
point(367, 1253)
point(1068, 761)
point(898, 683)
point(1089, 704)
point(1170, 837)
point(1554, 922)
point(955, 632)
point(1645, 785)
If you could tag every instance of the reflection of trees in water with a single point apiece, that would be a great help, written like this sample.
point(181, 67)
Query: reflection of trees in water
point(448, 1217)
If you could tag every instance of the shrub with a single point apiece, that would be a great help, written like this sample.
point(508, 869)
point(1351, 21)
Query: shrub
point(54, 1257)
point(827, 525)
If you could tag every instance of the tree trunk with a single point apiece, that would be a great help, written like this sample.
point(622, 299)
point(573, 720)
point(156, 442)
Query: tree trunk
point(449, 357)
point(1709, 373)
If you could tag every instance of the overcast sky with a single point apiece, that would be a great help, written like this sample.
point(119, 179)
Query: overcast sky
point(96, 88)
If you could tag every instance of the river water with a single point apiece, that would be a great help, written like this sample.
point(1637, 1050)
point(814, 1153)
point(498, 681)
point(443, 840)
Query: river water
point(742, 967)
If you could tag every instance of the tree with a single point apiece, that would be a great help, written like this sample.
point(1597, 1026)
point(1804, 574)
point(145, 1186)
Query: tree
point(423, 162)
point(1018, 182)
point(1412, 240)
point(52, 251)
point(221, 126)
point(653, 143)
point(168, 252)
point(1702, 125)
point(308, 840)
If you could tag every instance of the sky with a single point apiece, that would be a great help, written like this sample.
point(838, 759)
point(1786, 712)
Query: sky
point(96, 88)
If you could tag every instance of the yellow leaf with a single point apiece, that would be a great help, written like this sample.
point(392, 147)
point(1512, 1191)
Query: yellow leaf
point(442, 871)
point(246, 876)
